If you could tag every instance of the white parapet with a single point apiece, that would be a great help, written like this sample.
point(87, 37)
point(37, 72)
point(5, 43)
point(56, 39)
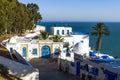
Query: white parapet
point(19, 70)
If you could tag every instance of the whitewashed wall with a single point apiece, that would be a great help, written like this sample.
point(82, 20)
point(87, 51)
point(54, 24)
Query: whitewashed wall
point(31, 46)
point(19, 70)
point(54, 30)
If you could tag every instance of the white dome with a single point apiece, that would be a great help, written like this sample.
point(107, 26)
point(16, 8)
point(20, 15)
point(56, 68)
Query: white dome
point(80, 48)
point(13, 40)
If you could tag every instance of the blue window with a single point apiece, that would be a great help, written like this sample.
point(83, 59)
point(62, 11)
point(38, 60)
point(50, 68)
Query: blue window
point(64, 51)
point(57, 32)
point(11, 49)
point(34, 51)
point(24, 51)
point(82, 41)
point(73, 42)
point(66, 44)
point(68, 32)
point(57, 51)
point(96, 71)
point(62, 32)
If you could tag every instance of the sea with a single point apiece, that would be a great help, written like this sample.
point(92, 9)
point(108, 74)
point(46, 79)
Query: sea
point(110, 44)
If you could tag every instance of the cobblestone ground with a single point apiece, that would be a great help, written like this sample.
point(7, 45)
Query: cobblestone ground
point(48, 70)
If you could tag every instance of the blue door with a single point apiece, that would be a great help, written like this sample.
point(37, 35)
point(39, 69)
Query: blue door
point(77, 67)
point(24, 51)
point(11, 49)
point(45, 51)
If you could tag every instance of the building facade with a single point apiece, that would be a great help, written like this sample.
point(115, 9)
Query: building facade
point(60, 30)
point(33, 48)
point(100, 69)
point(70, 38)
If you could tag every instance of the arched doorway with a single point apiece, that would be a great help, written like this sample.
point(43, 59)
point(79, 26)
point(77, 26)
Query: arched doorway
point(24, 51)
point(45, 51)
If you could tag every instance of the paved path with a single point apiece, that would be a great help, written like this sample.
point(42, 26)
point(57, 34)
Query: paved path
point(48, 70)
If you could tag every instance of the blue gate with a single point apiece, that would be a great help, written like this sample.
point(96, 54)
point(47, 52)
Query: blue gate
point(45, 51)
point(24, 52)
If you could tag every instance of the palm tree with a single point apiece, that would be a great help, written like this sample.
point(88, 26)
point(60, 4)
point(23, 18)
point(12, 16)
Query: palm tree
point(44, 35)
point(99, 30)
point(57, 38)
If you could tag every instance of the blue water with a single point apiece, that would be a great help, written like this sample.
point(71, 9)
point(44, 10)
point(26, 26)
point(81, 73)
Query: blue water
point(110, 44)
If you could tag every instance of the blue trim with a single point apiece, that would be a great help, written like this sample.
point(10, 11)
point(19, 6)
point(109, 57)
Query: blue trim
point(78, 68)
point(111, 75)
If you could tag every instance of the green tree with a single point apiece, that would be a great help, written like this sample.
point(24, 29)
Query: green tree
point(36, 16)
point(44, 35)
point(57, 38)
point(99, 30)
point(16, 17)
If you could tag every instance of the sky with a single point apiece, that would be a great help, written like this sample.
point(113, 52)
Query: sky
point(78, 10)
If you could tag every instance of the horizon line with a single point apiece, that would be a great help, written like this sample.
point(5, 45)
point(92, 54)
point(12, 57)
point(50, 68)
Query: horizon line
point(79, 21)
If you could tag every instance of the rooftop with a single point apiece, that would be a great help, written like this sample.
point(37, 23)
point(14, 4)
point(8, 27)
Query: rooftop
point(79, 33)
point(114, 63)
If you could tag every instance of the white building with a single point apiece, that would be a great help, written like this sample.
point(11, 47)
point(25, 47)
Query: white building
point(60, 31)
point(100, 69)
point(30, 48)
point(71, 39)
point(74, 39)
point(37, 28)
point(94, 69)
